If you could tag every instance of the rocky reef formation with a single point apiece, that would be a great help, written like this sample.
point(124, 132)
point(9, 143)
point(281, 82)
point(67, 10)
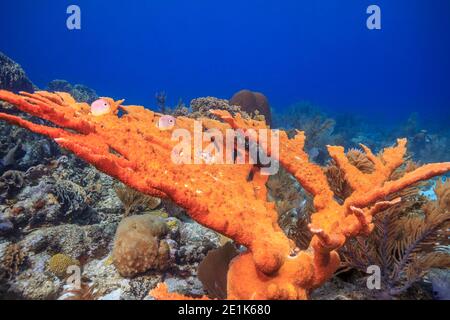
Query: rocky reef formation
point(81, 93)
point(58, 212)
point(12, 76)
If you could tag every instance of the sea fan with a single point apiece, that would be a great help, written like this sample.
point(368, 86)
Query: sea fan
point(406, 242)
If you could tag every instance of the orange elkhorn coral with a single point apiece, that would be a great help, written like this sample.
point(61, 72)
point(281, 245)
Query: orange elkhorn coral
point(219, 196)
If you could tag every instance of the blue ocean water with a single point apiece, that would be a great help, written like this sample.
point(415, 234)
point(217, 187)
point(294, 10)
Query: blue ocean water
point(292, 50)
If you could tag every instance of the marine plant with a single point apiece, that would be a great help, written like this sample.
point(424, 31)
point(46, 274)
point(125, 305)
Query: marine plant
point(12, 261)
point(220, 196)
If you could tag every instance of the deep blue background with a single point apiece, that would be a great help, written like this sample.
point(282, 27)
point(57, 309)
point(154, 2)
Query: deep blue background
point(291, 50)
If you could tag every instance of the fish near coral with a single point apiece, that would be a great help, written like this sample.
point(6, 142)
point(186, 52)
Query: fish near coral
point(100, 107)
point(166, 123)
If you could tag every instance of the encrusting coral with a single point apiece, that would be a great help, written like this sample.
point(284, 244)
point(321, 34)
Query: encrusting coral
point(220, 196)
point(59, 264)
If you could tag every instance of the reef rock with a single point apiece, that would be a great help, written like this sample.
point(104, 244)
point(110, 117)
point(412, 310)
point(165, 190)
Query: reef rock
point(6, 226)
point(12, 76)
point(20, 149)
point(195, 242)
point(108, 284)
point(79, 242)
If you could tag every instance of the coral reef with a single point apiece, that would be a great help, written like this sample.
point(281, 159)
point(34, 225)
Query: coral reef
point(12, 76)
point(79, 92)
point(221, 197)
point(42, 229)
point(137, 245)
point(200, 107)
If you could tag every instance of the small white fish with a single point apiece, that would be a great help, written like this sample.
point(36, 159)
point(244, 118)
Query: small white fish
point(166, 123)
point(100, 107)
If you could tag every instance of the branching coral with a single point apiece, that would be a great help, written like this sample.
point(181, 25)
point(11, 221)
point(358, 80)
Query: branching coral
point(220, 196)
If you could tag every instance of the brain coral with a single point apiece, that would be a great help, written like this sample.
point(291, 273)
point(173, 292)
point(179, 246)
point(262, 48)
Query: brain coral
point(251, 101)
point(137, 247)
point(59, 263)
